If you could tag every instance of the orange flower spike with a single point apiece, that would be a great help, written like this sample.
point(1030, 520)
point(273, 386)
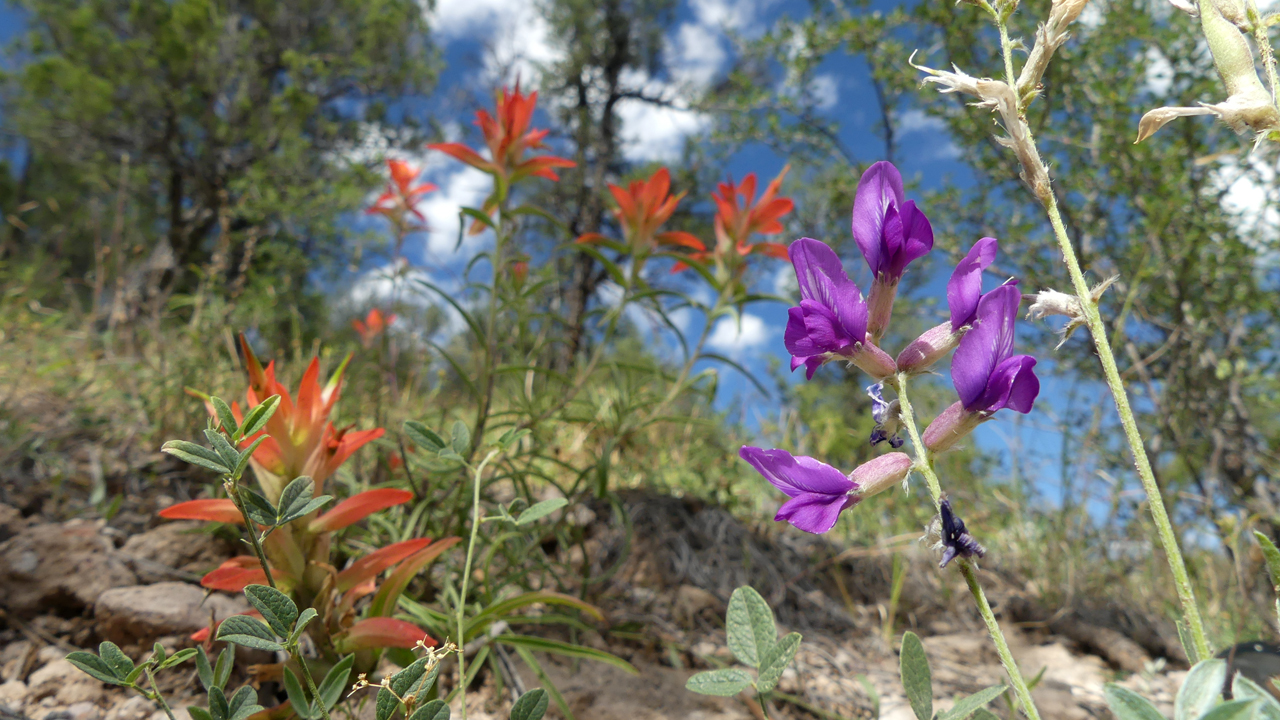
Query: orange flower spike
point(401, 195)
point(374, 324)
point(508, 138)
point(643, 207)
point(753, 216)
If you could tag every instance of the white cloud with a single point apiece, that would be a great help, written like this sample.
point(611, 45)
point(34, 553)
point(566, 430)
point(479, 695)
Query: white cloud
point(739, 15)
point(733, 337)
point(1159, 73)
point(461, 186)
point(695, 54)
point(825, 90)
point(653, 132)
point(518, 35)
point(917, 122)
point(784, 281)
point(1252, 197)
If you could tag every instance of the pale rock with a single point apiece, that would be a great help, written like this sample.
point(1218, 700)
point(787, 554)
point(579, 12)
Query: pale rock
point(64, 567)
point(13, 694)
point(142, 613)
point(65, 682)
point(135, 708)
point(174, 550)
point(84, 711)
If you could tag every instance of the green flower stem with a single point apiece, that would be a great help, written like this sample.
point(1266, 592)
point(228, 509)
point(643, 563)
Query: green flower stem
point(924, 464)
point(157, 697)
point(233, 489)
point(466, 576)
point(311, 683)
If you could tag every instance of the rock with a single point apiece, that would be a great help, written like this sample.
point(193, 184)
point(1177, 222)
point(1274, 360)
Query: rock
point(16, 659)
point(60, 568)
point(13, 694)
point(141, 613)
point(64, 681)
point(11, 521)
point(135, 708)
point(173, 551)
point(84, 711)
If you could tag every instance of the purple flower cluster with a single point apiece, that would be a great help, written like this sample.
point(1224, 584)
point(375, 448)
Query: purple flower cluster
point(834, 322)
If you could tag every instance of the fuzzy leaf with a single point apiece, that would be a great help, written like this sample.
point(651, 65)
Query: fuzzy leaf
point(249, 632)
point(115, 659)
point(222, 669)
point(298, 698)
point(179, 657)
point(259, 415)
point(246, 455)
point(243, 704)
point(1242, 688)
point(203, 668)
point(296, 494)
point(198, 713)
point(94, 666)
point(531, 705)
point(461, 440)
point(301, 623)
point(1201, 690)
point(1128, 705)
point(724, 683)
point(385, 705)
point(196, 455)
point(750, 626)
point(967, 706)
point(335, 682)
point(1234, 710)
point(916, 678)
point(423, 686)
point(218, 706)
point(1272, 555)
point(423, 436)
point(259, 509)
point(540, 510)
point(773, 662)
point(225, 418)
point(277, 609)
point(434, 710)
point(221, 445)
point(300, 511)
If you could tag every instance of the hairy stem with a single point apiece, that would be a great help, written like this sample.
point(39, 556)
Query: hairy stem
point(466, 576)
point(311, 684)
point(924, 464)
point(233, 489)
point(157, 696)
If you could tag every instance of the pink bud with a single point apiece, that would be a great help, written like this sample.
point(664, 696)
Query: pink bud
point(880, 474)
point(950, 428)
point(873, 361)
point(880, 305)
point(928, 349)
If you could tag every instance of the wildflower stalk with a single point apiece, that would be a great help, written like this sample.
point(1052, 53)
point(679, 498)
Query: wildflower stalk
point(311, 684)
point(466, 576)
point(924, 464)
point(1038, 178)
point(232, 485)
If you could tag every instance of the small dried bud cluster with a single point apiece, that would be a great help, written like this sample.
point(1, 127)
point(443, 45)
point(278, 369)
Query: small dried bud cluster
point(433, 654)
point(1052, 302)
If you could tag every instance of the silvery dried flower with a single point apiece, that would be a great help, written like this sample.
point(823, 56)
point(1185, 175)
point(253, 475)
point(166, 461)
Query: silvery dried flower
point(1052, 302)
point(955, 538)
point(886, 415)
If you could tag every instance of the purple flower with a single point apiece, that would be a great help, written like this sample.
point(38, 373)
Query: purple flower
point(956, 540)
point(831, 319)
point(987, 375)
point(886, 416)
point(964, 289)
point(819, 492)
point(890, 230)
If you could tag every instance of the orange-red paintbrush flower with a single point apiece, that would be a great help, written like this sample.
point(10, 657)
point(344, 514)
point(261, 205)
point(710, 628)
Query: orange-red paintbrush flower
point(508, 138)
point(643, 207)
point(401, 196)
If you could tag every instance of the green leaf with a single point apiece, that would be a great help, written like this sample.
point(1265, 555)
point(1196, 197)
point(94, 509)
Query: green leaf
point(434, 710)
point(311, 506)
point(750, 627)
point(984, 714)
point(724, 683)
point(916, 678)
point(301, 624)
point(259, 415)
point(508, 440)
point(1272, 555)
point(196, 455)
point(461, 441)
point(1128, 705)
point(872, 695)
point(296, 494)
point(566, 649)
point(1242, 688)
point(1188, 644)
point(773, 662)
point(243, 704)
point(423, 686)
point(385, 705)
point(179, 657)
point(94, 666)
point(258, 508)
point(277, 609)
point(115, 659)
point(967, 706)
point(1234, 710)
point(403, 680)
point(225, 417)
point(158, 654)
point(1201, 690)
point(478, 216)
point(423, 436)
point(246, 455)
point(218, 706)
point(531, 705)
point(230, 456)
point(298, 698)
point(249, 632)
point(198, 713)
point(540, 510)
point(222, 669)
point(203, 668)
point(335, 681)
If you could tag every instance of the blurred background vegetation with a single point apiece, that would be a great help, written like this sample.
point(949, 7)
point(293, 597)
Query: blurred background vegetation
point(178, 172)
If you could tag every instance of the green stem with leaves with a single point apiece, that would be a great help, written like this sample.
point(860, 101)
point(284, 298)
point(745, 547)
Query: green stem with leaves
point(466, 576)
point(924, 464)
point(232, 485)
point(311, 683)
point(156, 696)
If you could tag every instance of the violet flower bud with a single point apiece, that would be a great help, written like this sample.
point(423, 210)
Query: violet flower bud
point(955, 538)
point(819, 492)
point(831, 320)
point(964, 291)
point(891, 232)
point(987, 375)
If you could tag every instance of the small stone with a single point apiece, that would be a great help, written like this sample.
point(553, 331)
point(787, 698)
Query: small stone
point(84, 711)
point(64, 567)
point(135, 708)
point(179, 713)
point(65, 681)
point(13, 694)
point(142, 613)
point(175, 550)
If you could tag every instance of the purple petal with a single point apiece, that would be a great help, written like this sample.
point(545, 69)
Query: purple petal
point(811, 365)
point(1012, 385)
point(878, 188)
point(814, 513)
point(797, 475)
point(917, 238)
point(823, 280)
point(965, 287)
point(812, 329)
point(984, 347)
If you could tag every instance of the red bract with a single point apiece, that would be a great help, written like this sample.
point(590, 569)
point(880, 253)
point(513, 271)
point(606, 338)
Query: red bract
point(358, 507)
point(381, 632)
point(221, 510)
point(643, 207)
point(374, 324)
point(739, 215)
point(401, 196)
point(508, 137)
